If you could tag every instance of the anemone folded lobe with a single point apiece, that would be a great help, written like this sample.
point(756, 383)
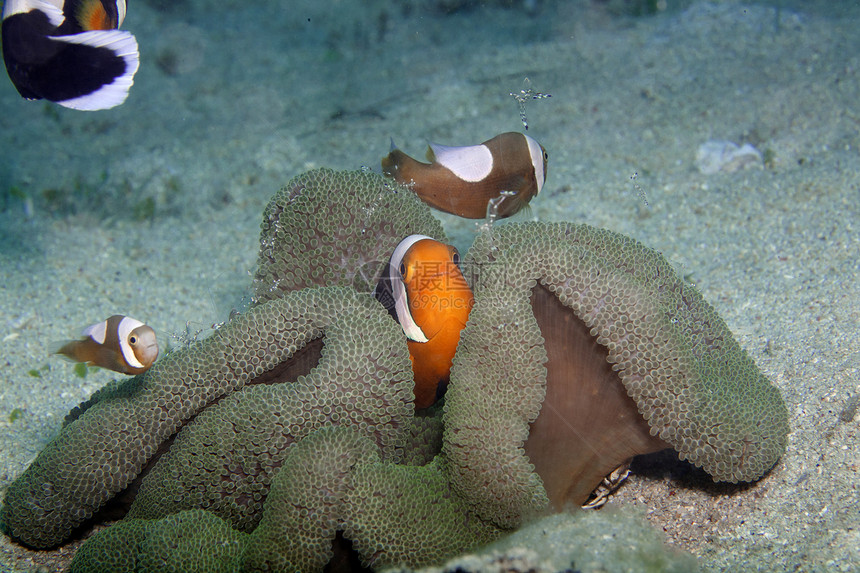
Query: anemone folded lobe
point(588, 425)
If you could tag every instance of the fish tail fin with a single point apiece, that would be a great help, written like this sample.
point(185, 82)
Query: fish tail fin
point(400, 167)
point(389, 167)
point(110, 58)
point(64, 348)
point(391, 163)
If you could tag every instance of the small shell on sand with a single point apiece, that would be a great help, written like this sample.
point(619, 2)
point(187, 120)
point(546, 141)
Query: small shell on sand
point(724, 156)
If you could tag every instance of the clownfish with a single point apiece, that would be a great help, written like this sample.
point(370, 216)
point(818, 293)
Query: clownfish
point(502, 174)
point(69, 51)
point(120, 343)
point(426, 293)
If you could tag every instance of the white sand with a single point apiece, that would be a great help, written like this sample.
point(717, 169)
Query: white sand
point(252, 103)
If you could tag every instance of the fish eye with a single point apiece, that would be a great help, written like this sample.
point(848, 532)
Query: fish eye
point(456, 258)
point(545, 156)
point(132, 340)
point(403, 270)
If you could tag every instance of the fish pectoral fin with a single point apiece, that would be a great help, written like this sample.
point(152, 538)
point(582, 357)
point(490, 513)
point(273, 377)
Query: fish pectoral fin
point(110, 360)
point(516, 183)
point(449, 327)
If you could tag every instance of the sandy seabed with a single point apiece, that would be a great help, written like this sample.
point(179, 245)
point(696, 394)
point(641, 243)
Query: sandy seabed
point(152, 209)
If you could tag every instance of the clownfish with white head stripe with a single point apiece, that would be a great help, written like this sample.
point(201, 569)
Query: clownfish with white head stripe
point(120, 343)
point(425, 291)
point(69, 51)
point(503, 174)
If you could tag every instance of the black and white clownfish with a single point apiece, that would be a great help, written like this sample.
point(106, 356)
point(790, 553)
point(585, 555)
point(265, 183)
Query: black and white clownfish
point(69, 51)
point(120, 343)
point(507, 170)
point(425, 291)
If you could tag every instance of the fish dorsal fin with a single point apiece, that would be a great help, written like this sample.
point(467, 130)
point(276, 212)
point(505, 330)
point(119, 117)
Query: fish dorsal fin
point(470, 163)
point(97, 331)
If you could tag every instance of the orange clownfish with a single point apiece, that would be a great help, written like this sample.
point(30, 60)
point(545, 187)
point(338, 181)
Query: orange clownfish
point(502, 174)
point(120, 343)
point(425, 291)
point(69, 51)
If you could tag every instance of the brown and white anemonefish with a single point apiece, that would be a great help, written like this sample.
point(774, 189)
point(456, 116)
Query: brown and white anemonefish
point(120, 343)
point(425, 291)
point(463, 180)
point(69, 51)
